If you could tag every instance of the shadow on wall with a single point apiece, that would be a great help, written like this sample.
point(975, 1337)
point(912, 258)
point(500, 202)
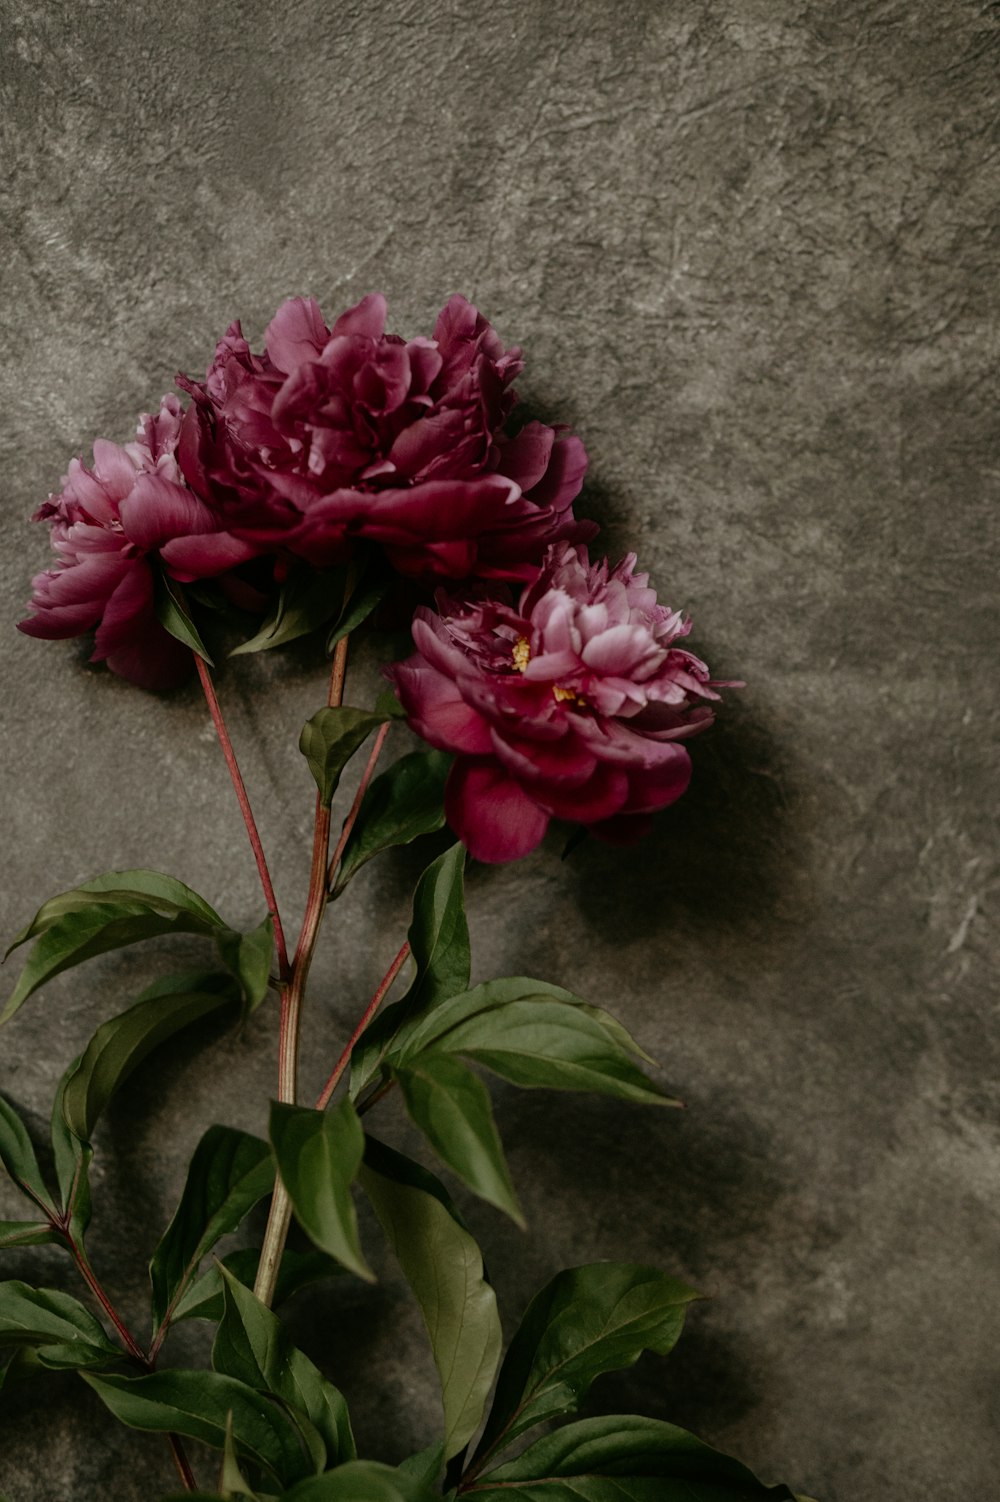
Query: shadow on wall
point(722, 858)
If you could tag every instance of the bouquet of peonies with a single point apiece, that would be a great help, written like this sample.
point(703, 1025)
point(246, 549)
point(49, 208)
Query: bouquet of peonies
point(341, 479)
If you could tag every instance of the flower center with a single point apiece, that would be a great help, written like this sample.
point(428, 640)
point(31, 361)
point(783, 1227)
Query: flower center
point(521, 653)
point(568, 695)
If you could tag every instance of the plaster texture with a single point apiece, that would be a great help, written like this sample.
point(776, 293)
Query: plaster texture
point(751, 251)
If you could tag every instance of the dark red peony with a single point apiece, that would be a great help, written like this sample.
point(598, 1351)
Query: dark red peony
point(107, 524)
point(569, 704)
point(333, 435)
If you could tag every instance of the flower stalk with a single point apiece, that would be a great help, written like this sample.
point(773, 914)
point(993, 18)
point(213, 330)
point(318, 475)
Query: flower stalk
point(239, 787)
point(279, 1218)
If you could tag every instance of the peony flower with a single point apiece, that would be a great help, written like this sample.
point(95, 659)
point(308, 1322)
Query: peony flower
point(332, 435)
point(107, 524)
point(569, 704)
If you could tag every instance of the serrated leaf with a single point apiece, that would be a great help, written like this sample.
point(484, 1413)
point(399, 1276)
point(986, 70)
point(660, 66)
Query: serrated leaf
point(57, 1326)
point(173, 615)
point(197, 1405)
point(203, 1299)
point(17, 1233)
point(402, 803)
point(330, 739)
point(451, 1106)
point(107, 913)
point(251, 1344)
point(248, 957)
point(306, 600)
point(623, 1458)
point(363, 1481)
point(439, 941)
point(72, 1159)
point(120, 1045)
point(230, 1172)
point(444, 1268)
point(587, 1321)
point(17, 1155)
point(318, 1157)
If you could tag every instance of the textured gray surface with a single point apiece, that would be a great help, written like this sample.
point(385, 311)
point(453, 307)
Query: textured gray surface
point(752, 252)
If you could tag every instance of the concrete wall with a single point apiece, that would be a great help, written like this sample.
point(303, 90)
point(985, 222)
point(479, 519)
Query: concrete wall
point(751, 251)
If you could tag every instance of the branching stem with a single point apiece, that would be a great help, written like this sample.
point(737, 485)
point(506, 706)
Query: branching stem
point(128, 1340)
point(280, 1215)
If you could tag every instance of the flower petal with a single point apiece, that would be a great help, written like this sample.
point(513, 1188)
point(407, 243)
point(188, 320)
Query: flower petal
point(491, 813)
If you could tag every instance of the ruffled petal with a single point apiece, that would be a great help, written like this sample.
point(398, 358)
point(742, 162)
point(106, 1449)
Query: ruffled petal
point(158, 510)
point(296, 333)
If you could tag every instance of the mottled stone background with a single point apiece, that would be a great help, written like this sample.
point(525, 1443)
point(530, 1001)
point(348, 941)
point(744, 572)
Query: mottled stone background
point(752, 253)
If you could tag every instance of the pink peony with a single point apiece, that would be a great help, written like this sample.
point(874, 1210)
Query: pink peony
point(570, 704)
point(336, 434)
point(106, 525)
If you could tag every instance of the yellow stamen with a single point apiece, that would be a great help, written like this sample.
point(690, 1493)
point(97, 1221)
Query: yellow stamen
point(522, 653)
point(561, 695)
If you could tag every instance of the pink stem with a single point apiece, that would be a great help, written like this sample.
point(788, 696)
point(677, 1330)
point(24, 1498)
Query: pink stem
point(131, 1345)
point(352, 817)
point(239, 787)
point(369, 1013)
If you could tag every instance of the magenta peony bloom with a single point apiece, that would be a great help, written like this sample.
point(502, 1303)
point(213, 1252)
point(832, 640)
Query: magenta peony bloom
point(570, 704)
point(106, 524)
point(331, 435)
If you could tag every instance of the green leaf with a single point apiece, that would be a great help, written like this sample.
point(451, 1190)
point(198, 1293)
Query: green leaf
point(107, 913)
point(15, 1233)
point(198, 1404)
point(452, 1108)
point(330, 739)
point(18, 1156)
point(121, 1044)
point(72, 1159)
point(230, 1172)
point(359, 608)
point(623, 1458)
point(538, 1039)
point(439, 940)
point(318, 1156)
point(588, 1320)
point(387, 704)
point(172, 614)
point(248, 957)
point(425, 1467)
point(363, 1481)
point(232, 1482)
point(444, 1268)
point(57, 1326)
point(203, 1299)
point(307, 599)
point(251, 1344)
point(402, 803)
